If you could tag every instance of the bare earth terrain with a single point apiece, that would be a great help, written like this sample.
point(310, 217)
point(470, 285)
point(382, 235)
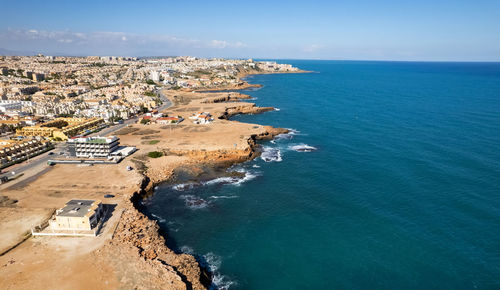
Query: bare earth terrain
point(128, 252)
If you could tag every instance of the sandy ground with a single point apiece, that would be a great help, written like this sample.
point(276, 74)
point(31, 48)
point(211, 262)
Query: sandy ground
point(59, 262)
point(76, 262)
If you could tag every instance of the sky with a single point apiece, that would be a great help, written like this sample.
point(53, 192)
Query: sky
point(421, 30)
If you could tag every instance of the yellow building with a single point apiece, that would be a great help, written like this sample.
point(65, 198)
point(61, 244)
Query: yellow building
point(62, 128)
point(78, 215)
point(13, 151)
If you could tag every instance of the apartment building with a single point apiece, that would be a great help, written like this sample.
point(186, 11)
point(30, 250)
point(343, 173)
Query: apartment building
point(93, 146)
point(15, 151)
point(62, 128)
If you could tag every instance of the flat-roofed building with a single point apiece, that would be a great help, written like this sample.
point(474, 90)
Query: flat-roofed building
point(78, 215)
point(92, 146)
point(14, 151)
point(62, 128)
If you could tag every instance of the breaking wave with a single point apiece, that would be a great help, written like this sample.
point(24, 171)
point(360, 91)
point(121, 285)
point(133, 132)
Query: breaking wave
point(213, 262)
point(187, 250)
point(183, 186)
point(233, 180)
point(270, 154)
point(303, 148)
point(158, 218)
point(223, 196)
point(194, 202)
point(287, 136)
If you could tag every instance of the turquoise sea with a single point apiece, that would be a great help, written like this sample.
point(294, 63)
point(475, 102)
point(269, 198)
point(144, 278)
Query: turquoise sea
point(403, 191)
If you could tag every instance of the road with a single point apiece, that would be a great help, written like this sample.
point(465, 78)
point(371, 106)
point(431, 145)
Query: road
point(107, 131)
point(41, 159)
point(166, 102)
point(34, 162)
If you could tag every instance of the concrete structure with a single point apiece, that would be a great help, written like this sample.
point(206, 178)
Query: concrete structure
point(93, 146)
point(13, 151)
point(77, 215)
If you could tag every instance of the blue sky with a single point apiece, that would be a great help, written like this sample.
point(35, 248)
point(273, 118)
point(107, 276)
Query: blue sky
point(373, 30)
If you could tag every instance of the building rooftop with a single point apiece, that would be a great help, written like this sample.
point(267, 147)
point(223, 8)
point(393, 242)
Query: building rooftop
point(78, 208)
point(94, 140)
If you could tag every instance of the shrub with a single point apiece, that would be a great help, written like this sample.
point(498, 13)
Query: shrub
point(155, 154)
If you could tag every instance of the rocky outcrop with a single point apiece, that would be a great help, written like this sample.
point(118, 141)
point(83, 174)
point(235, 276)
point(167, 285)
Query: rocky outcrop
point(139, 236)
point(229, 97)
point(139, 233)
point(244, 109)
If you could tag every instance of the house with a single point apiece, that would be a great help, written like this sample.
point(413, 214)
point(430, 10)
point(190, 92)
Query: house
point(169, 120)
point(77, 215)
point(202, 118)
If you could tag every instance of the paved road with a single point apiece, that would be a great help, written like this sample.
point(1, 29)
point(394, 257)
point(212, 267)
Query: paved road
point(33, 162)
point(166, 102)
point(61, 147)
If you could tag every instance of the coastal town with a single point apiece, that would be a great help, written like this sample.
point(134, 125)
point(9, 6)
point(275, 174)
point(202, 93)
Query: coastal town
point(83, 138)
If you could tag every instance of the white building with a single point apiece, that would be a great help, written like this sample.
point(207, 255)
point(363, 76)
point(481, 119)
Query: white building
point(13, 105)
point(93, 146)
point(154, 75)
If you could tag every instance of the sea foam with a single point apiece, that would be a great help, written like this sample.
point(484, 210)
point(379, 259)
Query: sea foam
point(270, 154)
point(303, 148)
point(194, 202)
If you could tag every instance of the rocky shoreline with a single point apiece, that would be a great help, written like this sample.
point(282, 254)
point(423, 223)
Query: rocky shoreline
point(142, 235)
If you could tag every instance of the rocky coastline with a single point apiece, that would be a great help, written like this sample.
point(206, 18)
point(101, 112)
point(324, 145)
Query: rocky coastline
point(141, 235)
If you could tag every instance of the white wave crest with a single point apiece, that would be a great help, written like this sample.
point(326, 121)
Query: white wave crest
point(287, 136)
point(213, 261)
point(183, 186)
point(158, 218)
point(221, 282)
point(187, 250)
point(194, 202)
point(227, 179)
point(303, 148)
point(270, 154)
point(223, 196)
point(233, 180)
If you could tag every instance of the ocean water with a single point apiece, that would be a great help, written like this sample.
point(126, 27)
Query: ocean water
point(402, 191)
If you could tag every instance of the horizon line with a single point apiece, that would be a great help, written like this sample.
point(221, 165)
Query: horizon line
point(267, 58)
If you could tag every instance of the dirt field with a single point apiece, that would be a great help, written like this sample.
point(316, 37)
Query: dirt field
point(80, 262)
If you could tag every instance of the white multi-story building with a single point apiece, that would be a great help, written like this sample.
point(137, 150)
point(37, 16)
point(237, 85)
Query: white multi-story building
point(13, 105)
point(93, 146)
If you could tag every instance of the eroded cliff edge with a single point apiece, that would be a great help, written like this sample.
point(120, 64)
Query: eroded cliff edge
point(140, 237)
